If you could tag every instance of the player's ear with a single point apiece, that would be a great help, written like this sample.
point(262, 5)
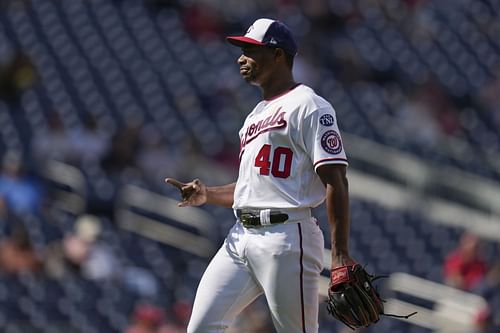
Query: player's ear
point(279, 55)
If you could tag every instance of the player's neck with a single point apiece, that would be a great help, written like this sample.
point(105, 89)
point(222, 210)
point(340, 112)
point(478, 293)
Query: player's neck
point(277, 86)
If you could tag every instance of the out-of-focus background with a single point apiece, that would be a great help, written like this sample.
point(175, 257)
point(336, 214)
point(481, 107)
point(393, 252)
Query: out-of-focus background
point(100, 100)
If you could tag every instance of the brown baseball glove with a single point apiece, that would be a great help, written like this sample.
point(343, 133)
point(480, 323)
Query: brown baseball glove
point(352, 298)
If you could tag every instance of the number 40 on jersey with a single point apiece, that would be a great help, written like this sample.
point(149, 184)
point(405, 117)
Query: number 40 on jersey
point(280, 165)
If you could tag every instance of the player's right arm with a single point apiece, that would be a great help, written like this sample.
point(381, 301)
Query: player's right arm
point(195, 193)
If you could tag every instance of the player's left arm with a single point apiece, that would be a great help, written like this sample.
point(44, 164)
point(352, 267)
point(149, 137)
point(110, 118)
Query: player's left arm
point(334, 178)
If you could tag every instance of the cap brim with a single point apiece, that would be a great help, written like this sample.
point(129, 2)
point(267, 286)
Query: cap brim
point(242, 40)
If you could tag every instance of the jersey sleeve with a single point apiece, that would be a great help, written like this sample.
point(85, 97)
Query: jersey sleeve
point(322, 138)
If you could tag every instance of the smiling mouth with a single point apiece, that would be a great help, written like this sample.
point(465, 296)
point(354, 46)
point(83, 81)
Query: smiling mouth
point(244, 70)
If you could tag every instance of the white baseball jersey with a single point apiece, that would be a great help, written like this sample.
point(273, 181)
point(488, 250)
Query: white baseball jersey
point(283, 142)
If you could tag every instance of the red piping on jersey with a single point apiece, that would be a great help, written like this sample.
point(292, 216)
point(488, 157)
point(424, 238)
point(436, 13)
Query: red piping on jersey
point(302, 280)
point(283, 93)
point(330, 159)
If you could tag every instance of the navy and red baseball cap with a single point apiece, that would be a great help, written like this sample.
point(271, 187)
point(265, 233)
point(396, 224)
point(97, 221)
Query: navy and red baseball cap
point(267, 32)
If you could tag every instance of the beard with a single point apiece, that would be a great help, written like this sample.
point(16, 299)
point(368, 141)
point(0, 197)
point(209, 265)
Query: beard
point(250, 77)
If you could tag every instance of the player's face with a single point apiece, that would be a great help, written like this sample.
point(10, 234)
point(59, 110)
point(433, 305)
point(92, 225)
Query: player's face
point(256, 63)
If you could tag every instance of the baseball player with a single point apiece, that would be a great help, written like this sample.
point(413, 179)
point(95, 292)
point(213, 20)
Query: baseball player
point(291, 160)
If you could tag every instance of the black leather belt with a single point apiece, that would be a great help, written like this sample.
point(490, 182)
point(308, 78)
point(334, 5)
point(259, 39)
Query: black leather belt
point(251, 218)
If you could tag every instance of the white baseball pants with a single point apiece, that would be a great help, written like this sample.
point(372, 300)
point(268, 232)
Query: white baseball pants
point(283, 261)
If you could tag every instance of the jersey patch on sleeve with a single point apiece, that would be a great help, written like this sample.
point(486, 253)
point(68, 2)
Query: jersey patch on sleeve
point(331, 143)
point(326, 120)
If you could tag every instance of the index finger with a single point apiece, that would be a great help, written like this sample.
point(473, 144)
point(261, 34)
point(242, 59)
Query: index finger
point(175, 183)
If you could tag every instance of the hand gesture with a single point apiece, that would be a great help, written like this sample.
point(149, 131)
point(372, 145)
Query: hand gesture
point(193, 193)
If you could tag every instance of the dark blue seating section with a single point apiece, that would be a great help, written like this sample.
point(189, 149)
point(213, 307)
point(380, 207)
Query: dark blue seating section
point(126, 63)
point(121, 61)
point(386, 240)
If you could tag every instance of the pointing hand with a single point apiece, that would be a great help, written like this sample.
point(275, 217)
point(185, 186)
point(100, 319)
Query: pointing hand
point(193, 193)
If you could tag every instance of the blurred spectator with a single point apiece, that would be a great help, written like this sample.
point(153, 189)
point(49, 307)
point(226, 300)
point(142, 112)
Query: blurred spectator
point(121, 154)
point(17, 254)
point(80, 251)
point(484, 322)
point(465, 267)
point(54, 142)
point(418, 120)
point(21, 193)
point(155, 159)
point(146, 318)
point(182, 312)
point(489, 288)
point(88, 142)
point(178, 318)
point(138, 280)
point(441, 106)
point(16, 74)
point(195, 164)
point(83, 252)
point(488, 99)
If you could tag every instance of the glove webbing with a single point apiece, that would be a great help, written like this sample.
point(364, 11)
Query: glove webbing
point(376, 277)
